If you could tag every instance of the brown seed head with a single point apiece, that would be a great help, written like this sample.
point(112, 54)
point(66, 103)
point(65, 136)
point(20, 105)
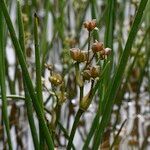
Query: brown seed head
point(90, 25)
point(95, 71)
point(91, 72)
point(97, 47)
point(86, 74)
point(78, 55)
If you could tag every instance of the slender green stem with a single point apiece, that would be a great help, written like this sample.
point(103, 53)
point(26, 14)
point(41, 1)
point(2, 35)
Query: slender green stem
point(14, 97)
point(117, 135)
point(92, 130)
point(21, 59)
point(58, 112)
point(109, 36)
point(2, 82)
point(65, 132)
point(81, 92)
point(74, 127)
point(28, 101)
point(38, 74)
point(37, 62)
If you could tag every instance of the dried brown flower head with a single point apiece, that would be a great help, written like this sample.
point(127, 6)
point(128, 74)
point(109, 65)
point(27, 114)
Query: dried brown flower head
point(90, 25)
point(104, 53)
point(78, 55)
point(91, 72)
point(97, 46)
point(95, 71)
point(86, 74)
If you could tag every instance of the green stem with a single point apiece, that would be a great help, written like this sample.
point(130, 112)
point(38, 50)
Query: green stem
point(97, 116)
point(92, 130)
point(117, 135)
point(74, 127)
point(14, 97)
point(65, 133)
point(81, 92)
point(38, 75)
point(37, 62)
point(58, 111)
point(28, 101)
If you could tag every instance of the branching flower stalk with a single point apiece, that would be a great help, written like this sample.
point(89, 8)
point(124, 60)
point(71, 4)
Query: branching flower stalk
point(77, 78)
point(89, 25)
point(59, 97)
point(89, 73)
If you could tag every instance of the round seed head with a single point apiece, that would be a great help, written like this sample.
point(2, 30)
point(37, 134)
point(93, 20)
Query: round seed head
point(78, 55)
point(86, 74)
point(90, 25)
point(97, 46)
point(95, 71)
point(55, 79)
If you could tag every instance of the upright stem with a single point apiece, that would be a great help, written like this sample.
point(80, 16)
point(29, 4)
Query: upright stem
point(38, 75)
point(81, 92)
point(28, 101)
point(74, 127)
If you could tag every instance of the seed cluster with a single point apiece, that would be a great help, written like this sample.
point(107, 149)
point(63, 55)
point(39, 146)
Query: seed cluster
point(97, 48)
point(87, 68)
point(90, 71)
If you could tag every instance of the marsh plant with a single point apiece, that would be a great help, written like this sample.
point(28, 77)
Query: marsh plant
point(70, 71)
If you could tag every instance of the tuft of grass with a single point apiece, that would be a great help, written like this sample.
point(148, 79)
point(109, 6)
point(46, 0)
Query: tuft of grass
point(113, 87)
point(21, 59)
